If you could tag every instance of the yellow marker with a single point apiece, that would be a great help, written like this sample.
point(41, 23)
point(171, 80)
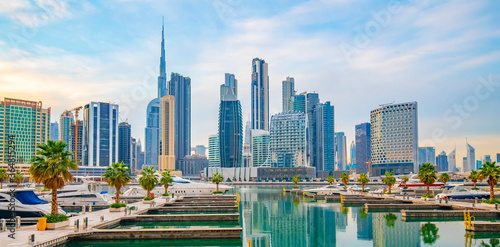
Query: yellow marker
point(250, 243)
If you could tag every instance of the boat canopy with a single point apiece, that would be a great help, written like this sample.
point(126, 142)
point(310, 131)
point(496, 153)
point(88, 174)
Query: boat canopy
point(28, 198)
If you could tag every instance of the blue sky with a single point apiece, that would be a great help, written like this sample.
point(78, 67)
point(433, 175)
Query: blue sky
point(357, 54)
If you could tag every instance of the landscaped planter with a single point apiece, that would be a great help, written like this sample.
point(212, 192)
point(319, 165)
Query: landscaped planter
point(147, 202)
point(112, 210)
point(165, 197)
point(54, 226)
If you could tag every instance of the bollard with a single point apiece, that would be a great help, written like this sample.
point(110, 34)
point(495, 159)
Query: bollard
point(77, 224)
point(90, 208)
point(83, 209)
point(3, 225)
point(85, 223)
point(18, 221)
point(31, 239)
point(440, 200)
point(102, 218)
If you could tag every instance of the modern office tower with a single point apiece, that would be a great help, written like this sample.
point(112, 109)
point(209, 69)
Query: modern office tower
point(288, 139)
point(465, 164)
point(200, 150)
point(213, 151)
point(133, 156)
point(162, 78)
point(180, 87)
point(426, 155)
point(498, 158)
point(363, 147)
point(299, 102)
point(230, 131)
point(353, 156)
point(312, 100)
point(192, 165)
point(260, 148)
point(479, 164)
point(260, 94)
point(54, 131)
point(341, 147)
point(486, 158)
point(287, 91)
point(394, 139)
point(166, 157)
point(140, 155)
point(322, 138)
point(76, 145)
point(471, 158)
point(28, 122)
point(442, 162)
point(152, 133)
point(65, 122)
point(248, 133)
point(125, 143)
point(452, 161)
point(100, 134)
point(230, 84)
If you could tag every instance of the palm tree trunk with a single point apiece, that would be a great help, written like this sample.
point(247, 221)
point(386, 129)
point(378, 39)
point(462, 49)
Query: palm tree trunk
point(1, 185)
point(389, 185)
point(492, 193)
point(54, 209)
point(118, 194)
point(475, 185)
point(428, 191)
point(217, 186)
point(166, 187)
point(363, 187)
point(148, 193)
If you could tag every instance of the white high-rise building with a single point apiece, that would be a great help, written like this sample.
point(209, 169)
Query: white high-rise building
point(287, 91)
point(394, 138)
point(213, 151)
point(288, 139)
point(260, 94)
point(471, 158)
point(452, 161)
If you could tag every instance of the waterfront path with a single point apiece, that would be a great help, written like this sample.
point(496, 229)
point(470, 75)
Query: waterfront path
point(94, 218)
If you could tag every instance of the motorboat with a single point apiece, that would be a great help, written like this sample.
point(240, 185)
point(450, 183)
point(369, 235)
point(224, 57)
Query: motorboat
point(26, 204)
point(357, 188)
point(83, 194)
point(458, 191)
point(180, 186)
point(414, 183)
point(326, 190)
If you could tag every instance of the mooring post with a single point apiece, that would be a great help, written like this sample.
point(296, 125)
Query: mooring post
point(18, 221)
point(83, 209)
point(77, 224)
point(90, 208)
point(3, 225)
point(85, 223)
point(102, 218)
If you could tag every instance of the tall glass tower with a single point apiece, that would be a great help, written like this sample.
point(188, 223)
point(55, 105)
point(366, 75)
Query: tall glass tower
point(287, 91)
point(125, 143)
point(260, 94)
point(363, 147)
point(322, 136)
point(180, 87)
point(230, 129)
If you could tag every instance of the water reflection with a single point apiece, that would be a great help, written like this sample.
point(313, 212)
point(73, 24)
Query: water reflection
point(493, 243)
point(429, 233)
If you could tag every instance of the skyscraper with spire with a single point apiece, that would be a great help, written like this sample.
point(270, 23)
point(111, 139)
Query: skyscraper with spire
point(162, 79)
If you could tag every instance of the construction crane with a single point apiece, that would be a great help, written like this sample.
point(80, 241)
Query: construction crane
point(76, 110)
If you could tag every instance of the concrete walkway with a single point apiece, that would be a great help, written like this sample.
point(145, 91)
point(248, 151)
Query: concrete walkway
point(22, 234)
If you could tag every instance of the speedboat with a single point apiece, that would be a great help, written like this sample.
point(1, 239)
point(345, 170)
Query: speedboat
point(459, 192)
point(180, 186)
point(414, 183)
point(84, 194)
point(326, 190)
point(26, 205)
point(357, 188)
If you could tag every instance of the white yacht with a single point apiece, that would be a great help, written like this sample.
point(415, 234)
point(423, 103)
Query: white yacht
point(86, 193)
point(180, 186)
point(26, 204)
point(357, 188)
point(326, 190)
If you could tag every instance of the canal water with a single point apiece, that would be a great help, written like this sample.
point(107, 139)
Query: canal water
point(272, 218)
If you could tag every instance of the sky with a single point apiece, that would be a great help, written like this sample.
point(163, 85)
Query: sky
point(358, 55)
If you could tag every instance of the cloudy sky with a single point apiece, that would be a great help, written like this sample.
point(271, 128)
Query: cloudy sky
point(357, 54)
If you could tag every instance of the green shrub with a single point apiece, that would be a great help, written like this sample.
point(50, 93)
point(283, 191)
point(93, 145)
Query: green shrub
point(492, 202)
point(364, 191)
point(427, 196)
point(218, 192)
point(148, 198)
point(387, 193)
point(475, 189)
point(118, 205)
point(55, 218)
point(165, 194)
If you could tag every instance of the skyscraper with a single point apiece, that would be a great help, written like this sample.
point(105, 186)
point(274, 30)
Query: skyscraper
point(65, 122)
point(100, 134)
point(28, 122)
point(471, 158)
point(426, 155)
point(288, 140)
point(260, 148)
point(452, 161)
point(498, 158)
point(442, 162)
point(162, 78)
point(54, 131)
point(353, 156)
point(166, 158)
point(125, 143)
point(260, 94)
point(394, 142)
point(487, 158)
point(341, 148)
point(363, 147)
point(287, 91)
point(200, 150)
point(133, 156)
point(322, 138)
point(312, 100)
point(299, 102)
point(213, 151)
point(230, 129)
point(230, 84)
point(76, 145)
point(180, 87)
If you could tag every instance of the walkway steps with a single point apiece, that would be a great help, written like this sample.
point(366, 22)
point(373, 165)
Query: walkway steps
point(396, 206)
point(447, 214)
point(483, 226)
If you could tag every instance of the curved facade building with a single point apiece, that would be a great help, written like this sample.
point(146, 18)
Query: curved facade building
point(230, 133)
point(152, 132)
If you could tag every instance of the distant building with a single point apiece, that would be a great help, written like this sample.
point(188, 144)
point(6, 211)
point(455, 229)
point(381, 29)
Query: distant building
point(260, 145)
point(133, 156)
point(193, 165)
point(353, 156)
point(260, 94)
point(230, 131)
point(152, 133)
point(248, 134)
point(230, 83)
point(299, 102)
point(442, 162)
point(100, 134)
point(180, 87)
point(125, 143)
point(479, 164)
point(76, 145)
point(247, 160)
point(287, 91)
point(498, 158)
point(426, 155)
point(66, 120)
point(452, 161)
point(486, 158)
point(363, 147)
point(166, 157)
point(288, 140)
point(394, 142)
point(465, 164)
point(471, 158)
point(341, 148)
point(54, 131)
point(322, 137)
point(28, 122)
point(213, 151)
point(200, 150)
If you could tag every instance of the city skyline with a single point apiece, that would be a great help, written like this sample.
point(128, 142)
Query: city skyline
point(64, 77)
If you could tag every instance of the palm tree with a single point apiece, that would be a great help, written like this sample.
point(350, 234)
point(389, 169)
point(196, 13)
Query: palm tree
point(3, 177)
point(405, 180)
point(427, 175)
point(389, 180)
point(166, 179)
point(148, 180)
point(345, 179)
point(444, 178)
point(18, 178)
point(363, 179)
point(330, 180)
point(491, 172)
point(474, 177)
point(296, 180)
point(429, 233)
point(51, 167)
point(117, 176)
point(216, 179)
